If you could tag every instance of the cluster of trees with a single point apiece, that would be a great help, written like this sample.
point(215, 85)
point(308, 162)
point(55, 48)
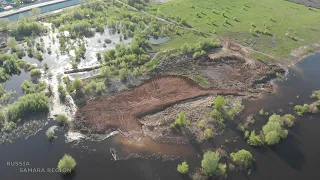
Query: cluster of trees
point(29, 88)
point(272, 132)
point(94, 88)
point(25, 28)
point(221, 111)
point(200, 48)
point(9, 65)
point(27, 105)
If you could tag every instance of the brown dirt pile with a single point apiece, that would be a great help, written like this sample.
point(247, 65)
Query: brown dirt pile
point(122, 110)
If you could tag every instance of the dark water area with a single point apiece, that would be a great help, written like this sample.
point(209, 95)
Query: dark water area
point(14, 83)
point(294, 158)
point(46, 9)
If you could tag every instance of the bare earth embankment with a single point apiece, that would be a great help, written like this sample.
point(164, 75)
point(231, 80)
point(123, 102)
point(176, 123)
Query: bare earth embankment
point(228, 71)
point(122, 110)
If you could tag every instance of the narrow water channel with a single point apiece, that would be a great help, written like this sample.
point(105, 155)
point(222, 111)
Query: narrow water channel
point(294, 158)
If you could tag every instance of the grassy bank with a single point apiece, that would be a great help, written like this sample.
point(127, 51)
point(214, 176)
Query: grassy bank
point(275, 27)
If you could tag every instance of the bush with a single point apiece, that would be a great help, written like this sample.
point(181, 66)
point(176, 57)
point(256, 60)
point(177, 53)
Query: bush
point(288, 120)
point(123, 74)
point(207, 133)
point(316, 95)
point(219, 103)
point(183, 168)
point(62, 93)
point(273, 130)
point(242, 158)
point(210, 162)
point(185, 48)
point(66, 164)
point(50, 133)
point(217, 115)
point(254, 140)
point(93, 88)
point(61, 119)
point(36, 73)
point(77, 84)
point(28, 104)
point(106, 72)
point(9, 126)
point(181, 120)
point(196, 55)
point(300, 110)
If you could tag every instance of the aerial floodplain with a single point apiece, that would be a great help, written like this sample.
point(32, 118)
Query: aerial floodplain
point(160, 89)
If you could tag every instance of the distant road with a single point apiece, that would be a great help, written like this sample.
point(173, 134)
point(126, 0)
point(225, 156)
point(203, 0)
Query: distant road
point(27, 8)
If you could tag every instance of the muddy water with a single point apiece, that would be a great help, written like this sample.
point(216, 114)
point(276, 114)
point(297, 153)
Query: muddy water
point(295, 158)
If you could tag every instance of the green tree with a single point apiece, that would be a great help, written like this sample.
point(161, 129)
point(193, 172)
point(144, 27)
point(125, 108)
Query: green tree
point(273, 130)
point(288, 120)
point(12, 43)
point(62, 93)
point(242, 158)
point(183, 168)
point(207, 133)
point(210, 162)
point(185, 48)
point(66, 164)
point(36, 73)
point(61, 119)
point(4, 22)
point(254, 140)
point(77, 84)
point(50, 133)
point(181, 120)
point(219, 103)
point(106, 72)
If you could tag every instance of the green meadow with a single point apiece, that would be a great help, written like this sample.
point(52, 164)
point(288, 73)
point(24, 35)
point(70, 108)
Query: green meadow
point(275, 27)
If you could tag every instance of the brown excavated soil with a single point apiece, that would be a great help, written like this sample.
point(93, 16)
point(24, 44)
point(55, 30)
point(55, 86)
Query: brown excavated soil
point(121, 111)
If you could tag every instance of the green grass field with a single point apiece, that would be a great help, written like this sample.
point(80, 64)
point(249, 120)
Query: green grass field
point(289, 25)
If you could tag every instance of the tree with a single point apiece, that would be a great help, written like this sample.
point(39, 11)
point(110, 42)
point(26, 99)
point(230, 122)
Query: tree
point(273, 130)
point(185, 48)
point(207, 133)
point(106, 72)
point(62, 93)
point(210, 162)
point(12, 43)
point(183, 168)
point(77, 84)
point(4, 22)
point(242, 158)
point(61, 119)
point(288, 120)
point(181, 120)
point(36, 73)
point(219, 103)
point(254, 140)
point(66, 164)
point(50, 133)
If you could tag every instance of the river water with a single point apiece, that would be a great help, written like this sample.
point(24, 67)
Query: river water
point(294, 158)
point(46, 9)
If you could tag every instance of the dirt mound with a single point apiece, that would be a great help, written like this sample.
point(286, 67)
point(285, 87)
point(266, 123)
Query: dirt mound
point(122, 110)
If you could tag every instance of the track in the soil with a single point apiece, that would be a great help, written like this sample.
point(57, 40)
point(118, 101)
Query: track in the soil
point(122, 110)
